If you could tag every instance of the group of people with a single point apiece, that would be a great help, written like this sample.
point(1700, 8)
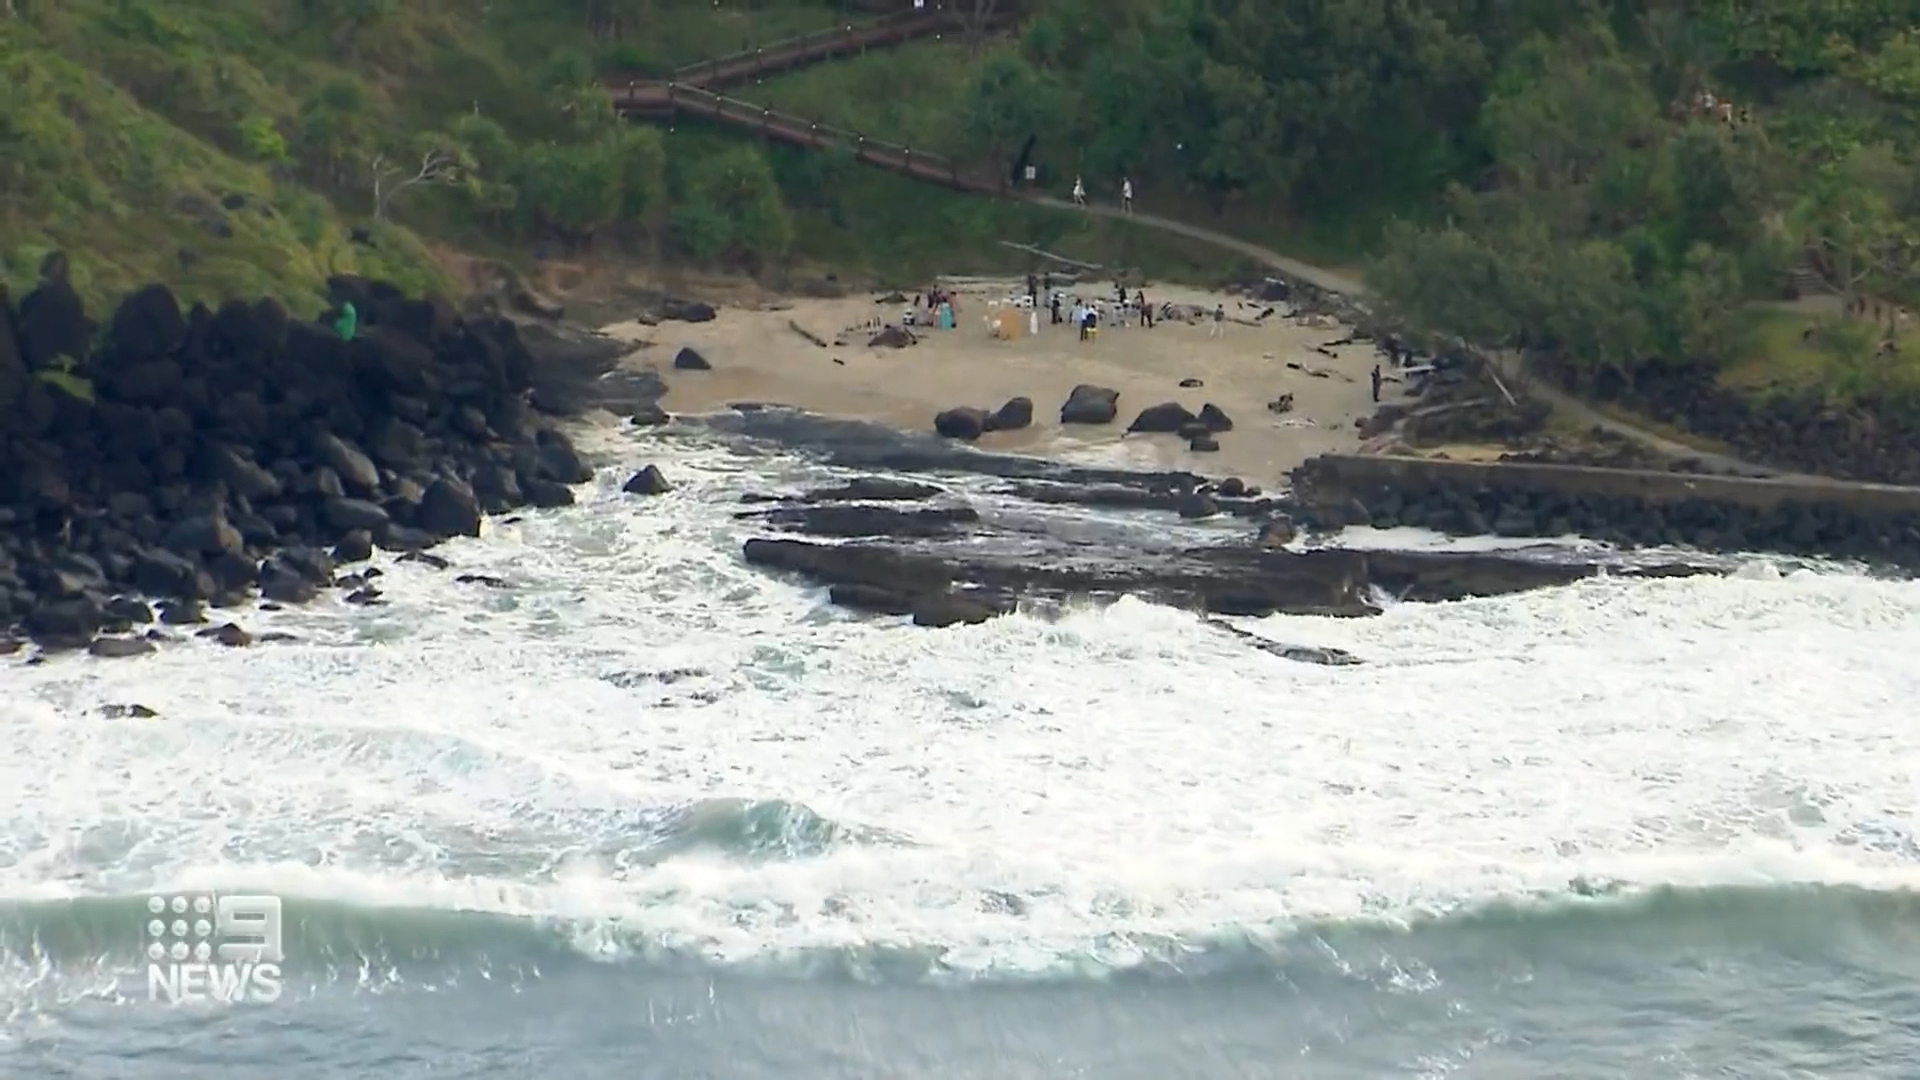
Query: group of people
point(935, 307)
point(1126, 193)
point(1714, 107)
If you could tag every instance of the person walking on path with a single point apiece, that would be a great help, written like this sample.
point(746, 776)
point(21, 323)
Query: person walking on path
point(1219, 327)
point(1079, 192)
point(1126, 195)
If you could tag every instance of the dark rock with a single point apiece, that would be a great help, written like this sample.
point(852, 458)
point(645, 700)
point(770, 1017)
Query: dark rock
point(128, 609)
point(1203, 444)
point(689, 359)
point(488, 580)
point(692, 311)
point(448, 508)
point(649, 415)
point(351, 463)
point(964, 422)
point(875, 489)
point(892, 337)
point(355, 546)
point(116, 648)
point(364, 597)
point(51, 323)
point(1191, 384)
point(546, 494)
point(1215, 418)
point(1278, 532)
point(1016, 414)
point(65, 619)
point(124, 712)
point(204, 534)
point(1088, 404)
point(226, 634)
point(426, 559)
point(347, 514)
point(852, 519)
point(1196, 505)
point(648, 481)
point(243, 474)
point(952, 609)
point(182, 612)
point(405, 539)
point(1168, 416)
point(559, 460)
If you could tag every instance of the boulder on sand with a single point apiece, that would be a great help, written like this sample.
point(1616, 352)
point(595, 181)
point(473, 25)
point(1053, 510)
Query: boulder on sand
point(964, 422)
point(1017, 413)
point(1167, 416)
point(689, 359)
point(1089, 404)
point(1215, 418)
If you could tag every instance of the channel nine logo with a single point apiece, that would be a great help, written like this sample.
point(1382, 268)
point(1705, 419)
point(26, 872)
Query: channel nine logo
point(206, 947)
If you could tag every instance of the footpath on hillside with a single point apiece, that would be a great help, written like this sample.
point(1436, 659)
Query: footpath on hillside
point(639, 97)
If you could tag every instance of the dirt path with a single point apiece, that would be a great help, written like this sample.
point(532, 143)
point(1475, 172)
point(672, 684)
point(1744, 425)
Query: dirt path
point(1509, 364)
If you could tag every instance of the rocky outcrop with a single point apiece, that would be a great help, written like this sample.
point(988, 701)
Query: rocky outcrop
point(1088, 404)
point(1485, 505)
point(209, 456)
point(1874, 439)
point(968, 423)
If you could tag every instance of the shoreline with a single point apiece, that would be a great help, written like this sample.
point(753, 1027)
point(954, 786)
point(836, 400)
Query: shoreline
point(759, 356)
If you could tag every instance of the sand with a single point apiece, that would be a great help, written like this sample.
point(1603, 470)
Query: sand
point(757, 356)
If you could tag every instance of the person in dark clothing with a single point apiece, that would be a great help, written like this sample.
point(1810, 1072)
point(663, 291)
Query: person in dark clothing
point(1146, 313)
point(1376, 383)
point(1033, 288)
point(1055, 306)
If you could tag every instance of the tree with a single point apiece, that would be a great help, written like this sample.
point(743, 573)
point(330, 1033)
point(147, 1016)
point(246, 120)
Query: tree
point(350, 22)
point(574, 190)
point(1009, 101)
point(976, 18)
point(1850, 234)
point(261, 138)
point(733, 208)
point(443, 161)
point(334, 127)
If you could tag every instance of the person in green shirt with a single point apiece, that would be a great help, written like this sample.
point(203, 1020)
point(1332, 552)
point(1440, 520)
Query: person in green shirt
point(348, 321)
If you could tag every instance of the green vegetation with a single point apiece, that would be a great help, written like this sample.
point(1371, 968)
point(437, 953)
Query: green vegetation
point(1538, 172)
point(247, 147)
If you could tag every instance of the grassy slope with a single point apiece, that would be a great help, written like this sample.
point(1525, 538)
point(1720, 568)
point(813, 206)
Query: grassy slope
point(122, 123)
point(131, 196)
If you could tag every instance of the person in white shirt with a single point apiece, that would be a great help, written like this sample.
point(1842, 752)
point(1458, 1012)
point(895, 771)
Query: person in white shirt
point(1079, 192)
point(1126, 195)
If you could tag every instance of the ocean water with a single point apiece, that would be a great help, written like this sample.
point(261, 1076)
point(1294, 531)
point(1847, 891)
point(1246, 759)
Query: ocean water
point(647, 813)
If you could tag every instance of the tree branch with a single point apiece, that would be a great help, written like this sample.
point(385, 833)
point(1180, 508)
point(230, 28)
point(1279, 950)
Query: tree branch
point(436, 167)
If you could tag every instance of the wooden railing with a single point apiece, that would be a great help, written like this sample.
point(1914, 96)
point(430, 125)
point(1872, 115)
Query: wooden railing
point(793, 52)
point(672, 98)
point(692, 91)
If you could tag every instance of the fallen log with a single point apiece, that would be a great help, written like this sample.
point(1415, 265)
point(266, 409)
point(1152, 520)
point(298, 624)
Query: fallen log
point(805, 333)
point(1031, 250)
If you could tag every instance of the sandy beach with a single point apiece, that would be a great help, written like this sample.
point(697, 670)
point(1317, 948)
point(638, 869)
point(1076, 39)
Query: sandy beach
point(758, 356)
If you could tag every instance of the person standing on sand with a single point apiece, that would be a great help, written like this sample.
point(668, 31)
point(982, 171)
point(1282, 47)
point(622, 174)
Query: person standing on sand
point(1376, 384)
point(1033, 289)
point(1126, 195)
point(1219, 327)
point(1053, 306)
point(1079, 192)
point(1146, 313)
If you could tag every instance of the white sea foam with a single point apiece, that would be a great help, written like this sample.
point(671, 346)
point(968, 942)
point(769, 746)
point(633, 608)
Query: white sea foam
point(1069, 786)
